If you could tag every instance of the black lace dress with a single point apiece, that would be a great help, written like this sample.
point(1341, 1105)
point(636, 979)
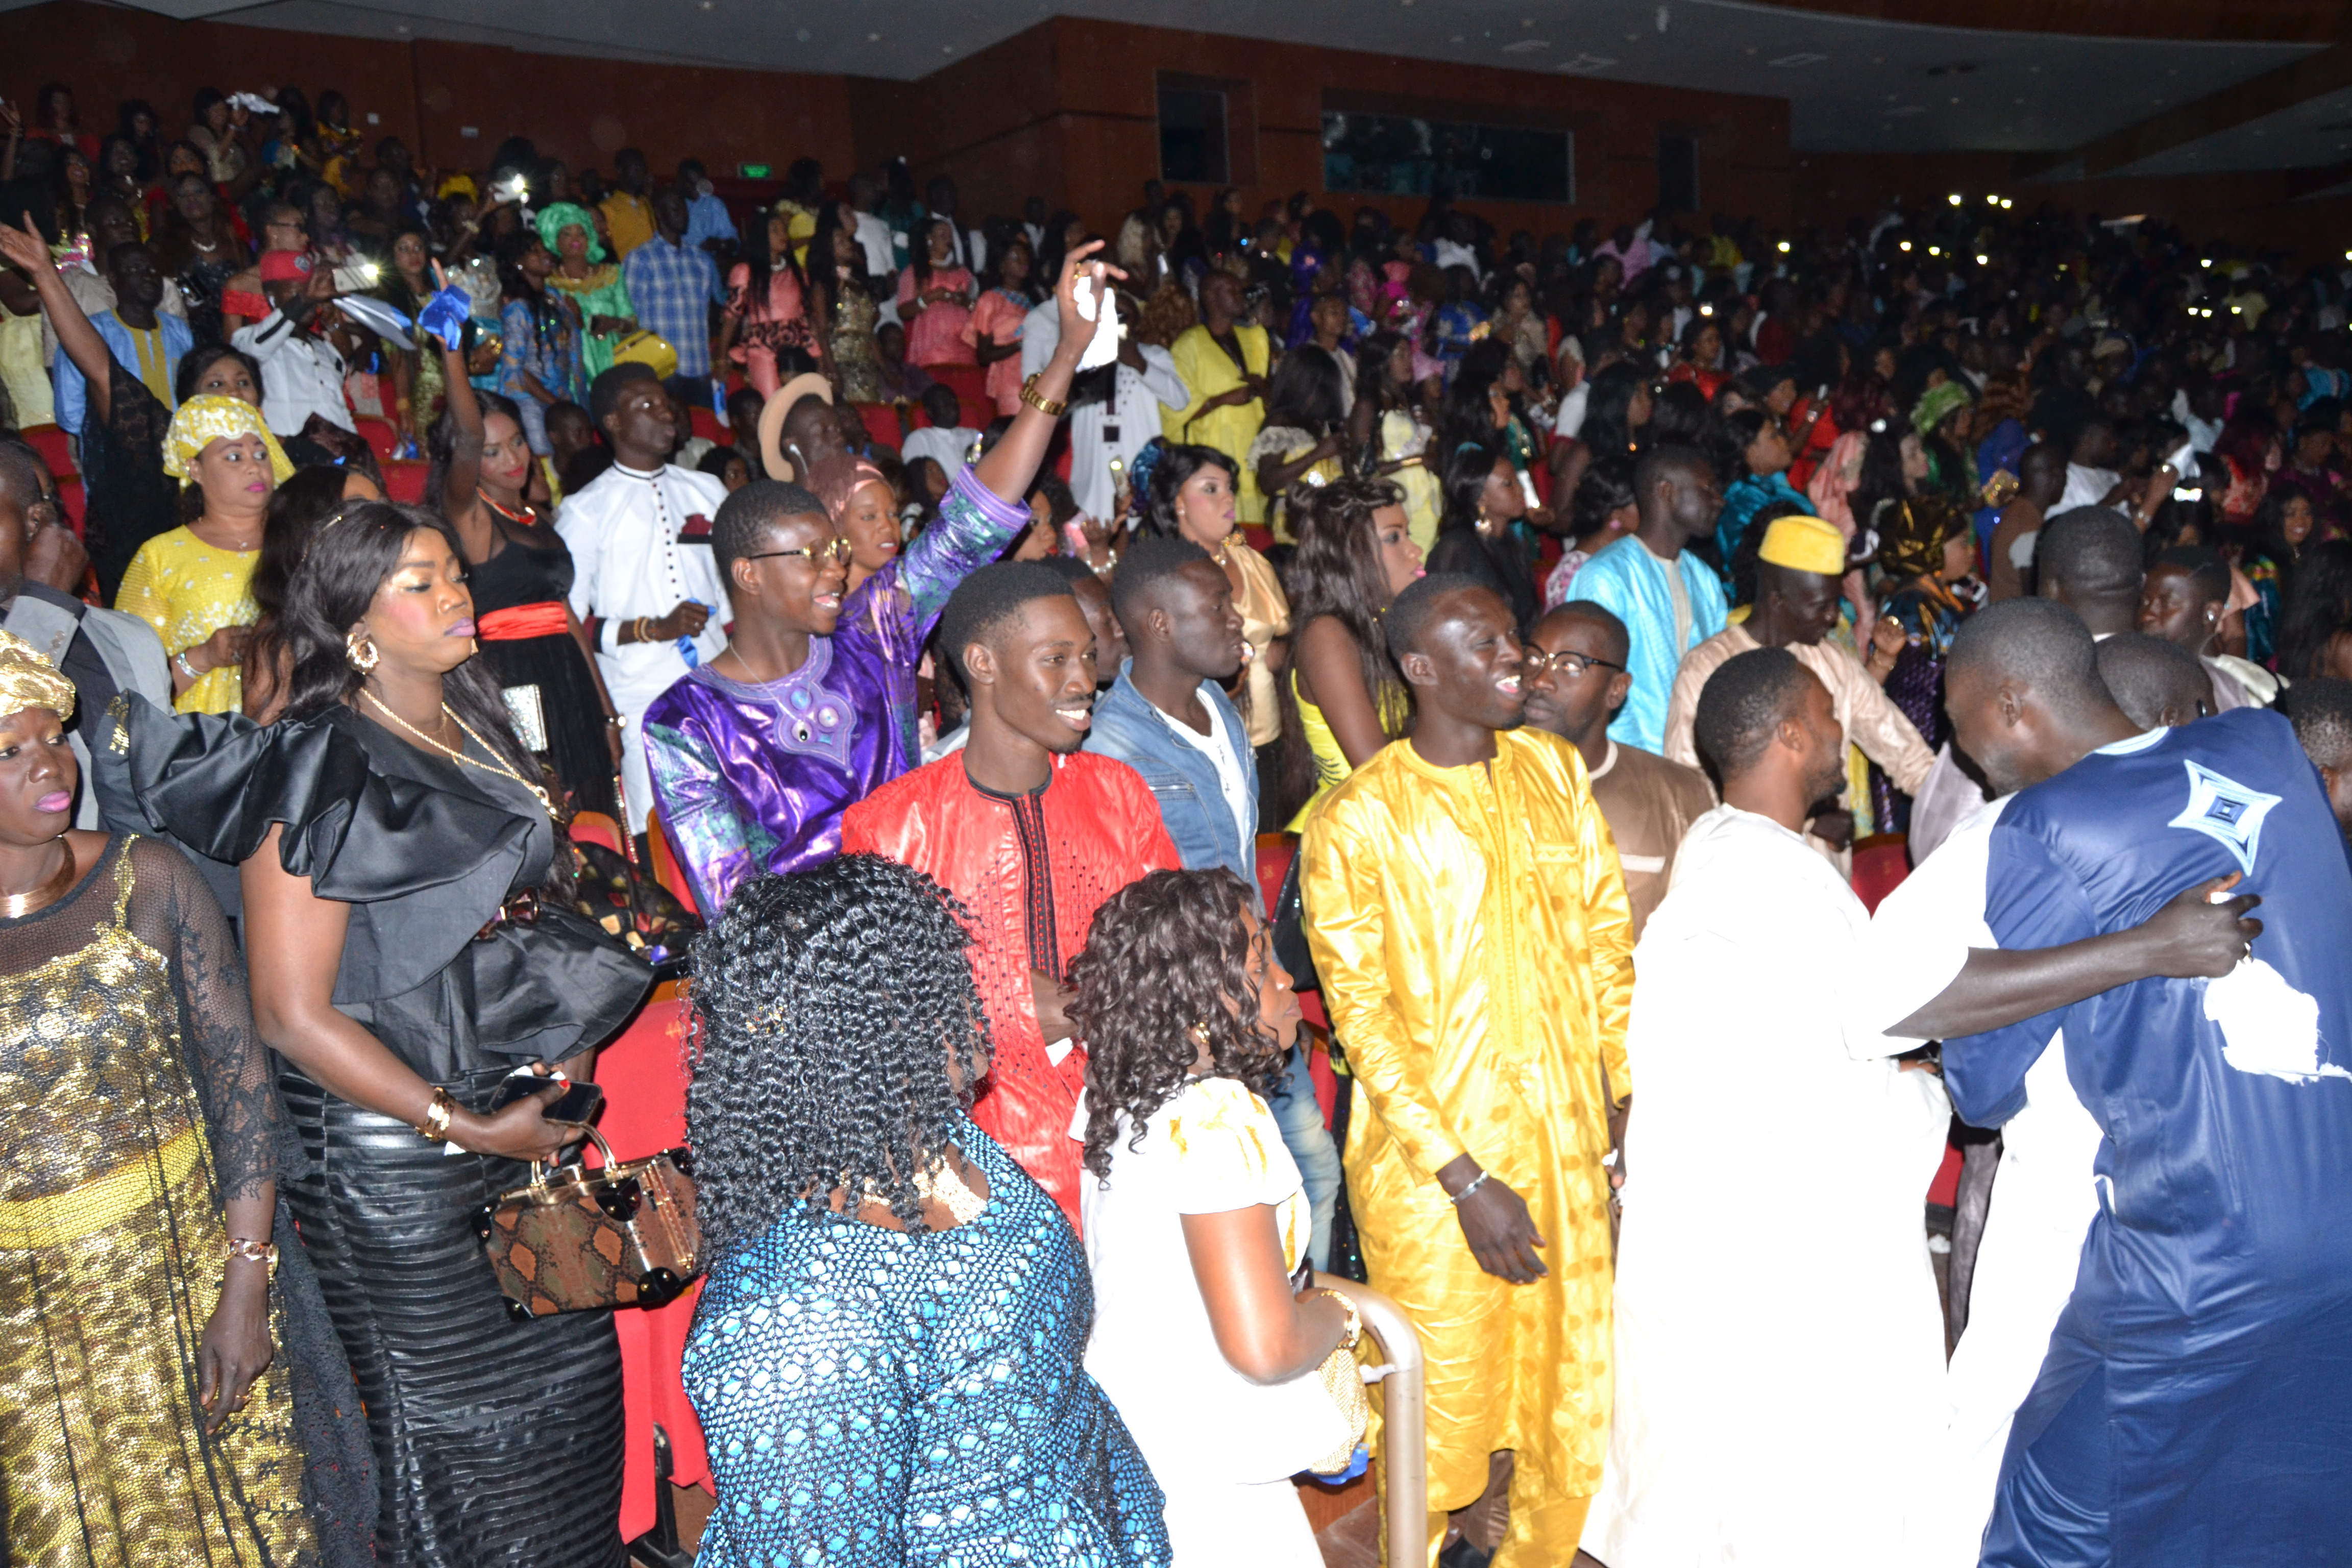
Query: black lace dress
point(530, 571)
point(134, 1099)
point(496, 1441)
point(130, 499)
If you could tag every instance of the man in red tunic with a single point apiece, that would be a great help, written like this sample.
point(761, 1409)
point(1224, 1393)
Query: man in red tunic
point(1033, 835)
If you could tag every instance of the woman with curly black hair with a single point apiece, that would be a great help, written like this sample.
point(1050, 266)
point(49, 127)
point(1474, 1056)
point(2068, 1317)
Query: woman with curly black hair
point(893, 1324)
point(1196, 1220)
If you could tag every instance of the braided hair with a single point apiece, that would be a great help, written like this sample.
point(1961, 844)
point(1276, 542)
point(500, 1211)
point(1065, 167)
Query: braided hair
point(828, 1007)
point(1167, 955)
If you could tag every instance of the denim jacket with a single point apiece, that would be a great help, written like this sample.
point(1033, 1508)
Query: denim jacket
point(1182, 778)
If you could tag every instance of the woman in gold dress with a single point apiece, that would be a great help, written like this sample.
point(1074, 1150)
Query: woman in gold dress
point(142, 1420)
point(846, 304)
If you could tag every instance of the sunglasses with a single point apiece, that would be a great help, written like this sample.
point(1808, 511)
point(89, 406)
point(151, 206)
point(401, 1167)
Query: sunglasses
point(835, 549)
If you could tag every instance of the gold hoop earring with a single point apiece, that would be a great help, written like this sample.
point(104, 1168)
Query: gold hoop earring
point(361, 655)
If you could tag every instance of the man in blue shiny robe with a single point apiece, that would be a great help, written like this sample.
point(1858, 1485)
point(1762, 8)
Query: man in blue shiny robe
point(2195, 1403)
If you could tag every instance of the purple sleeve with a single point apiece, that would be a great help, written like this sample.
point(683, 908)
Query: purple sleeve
point(973, 527)
point(698, 812)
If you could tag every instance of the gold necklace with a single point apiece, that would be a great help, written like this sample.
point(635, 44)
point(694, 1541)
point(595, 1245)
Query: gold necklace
point(16, 905)
point(454, 755)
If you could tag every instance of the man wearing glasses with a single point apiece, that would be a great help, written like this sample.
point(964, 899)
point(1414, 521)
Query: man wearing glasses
point(754, 756)
point(1573, 673)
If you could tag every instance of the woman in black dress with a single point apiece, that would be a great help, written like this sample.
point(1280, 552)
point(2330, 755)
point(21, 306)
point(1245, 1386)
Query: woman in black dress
point(521, 579)
point(409, 953)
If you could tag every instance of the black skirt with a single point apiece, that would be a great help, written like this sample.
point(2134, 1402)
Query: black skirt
point(523, 574)
point(496, 1441)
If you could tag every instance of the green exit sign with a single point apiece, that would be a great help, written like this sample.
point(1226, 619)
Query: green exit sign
point(753, 170)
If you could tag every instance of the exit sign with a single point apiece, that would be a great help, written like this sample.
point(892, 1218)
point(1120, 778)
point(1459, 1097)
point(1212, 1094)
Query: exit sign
point(753, 170)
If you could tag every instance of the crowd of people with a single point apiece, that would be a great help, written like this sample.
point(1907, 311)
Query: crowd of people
point(1099, 690)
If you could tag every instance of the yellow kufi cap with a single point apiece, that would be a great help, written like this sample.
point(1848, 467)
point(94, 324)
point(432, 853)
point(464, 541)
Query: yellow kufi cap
point(1804, 545)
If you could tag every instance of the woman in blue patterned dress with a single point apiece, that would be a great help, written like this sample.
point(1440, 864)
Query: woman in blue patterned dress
point(888, 1359)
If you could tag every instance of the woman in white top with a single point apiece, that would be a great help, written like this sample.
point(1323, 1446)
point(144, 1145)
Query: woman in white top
point(1208, 1331)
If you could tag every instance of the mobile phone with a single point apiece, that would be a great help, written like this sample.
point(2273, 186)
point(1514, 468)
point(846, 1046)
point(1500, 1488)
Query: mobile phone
point(577, 1102)
point(1528, 488)
point(356, 277)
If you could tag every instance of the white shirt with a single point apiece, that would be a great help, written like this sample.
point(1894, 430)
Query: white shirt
point(1571, 418)
point(628, 560)
point(2084, 487)
point(874, 236)
point(1218, 746)
point(1132, 410)
point(945, 448)
point(300, 375)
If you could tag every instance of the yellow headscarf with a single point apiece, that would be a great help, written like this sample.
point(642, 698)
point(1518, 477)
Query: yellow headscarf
point(29, 680)
point(202, 421)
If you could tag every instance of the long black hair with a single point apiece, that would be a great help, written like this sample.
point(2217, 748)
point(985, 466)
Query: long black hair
point(1176, 467)
point(1307, 392)
point(827, 1006)
point(515, 284)
point(441, 441)
point(2317, 607)
point(1338, 572)
point(352, 551)
point(1166, 964)
point(763, 267)
point(1607, 428)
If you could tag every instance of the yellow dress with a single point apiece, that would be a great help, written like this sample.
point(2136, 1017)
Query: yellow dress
point(1471, 929)
point(112, 1244)
point(1209, 371)
point(1265, 615)
point(187, 591)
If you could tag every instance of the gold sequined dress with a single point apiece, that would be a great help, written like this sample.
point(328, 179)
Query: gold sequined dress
point(123, 1023)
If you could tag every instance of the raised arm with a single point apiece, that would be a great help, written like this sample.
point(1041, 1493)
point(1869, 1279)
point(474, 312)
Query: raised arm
point(1008, 469)
point(24, 248)
point(2192, 937)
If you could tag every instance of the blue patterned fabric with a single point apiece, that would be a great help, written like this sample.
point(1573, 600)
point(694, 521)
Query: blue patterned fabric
point(871, 1397)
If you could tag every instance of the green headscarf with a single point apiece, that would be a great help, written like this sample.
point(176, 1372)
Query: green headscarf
point(553, 220)
point(1935, 406)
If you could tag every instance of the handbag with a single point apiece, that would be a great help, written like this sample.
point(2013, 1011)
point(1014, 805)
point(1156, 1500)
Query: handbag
point(576, 1241)
point(1342, 1379)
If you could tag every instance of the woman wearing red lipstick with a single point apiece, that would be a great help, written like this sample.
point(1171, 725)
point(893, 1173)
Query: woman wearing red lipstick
point(194, 584)
point(139, 1287)
point(521, 573)
point(414, 947)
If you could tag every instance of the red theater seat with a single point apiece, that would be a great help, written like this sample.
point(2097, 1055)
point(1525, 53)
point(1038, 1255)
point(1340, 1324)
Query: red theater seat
point(403, 480)
point(380, 436)
point(55, 449)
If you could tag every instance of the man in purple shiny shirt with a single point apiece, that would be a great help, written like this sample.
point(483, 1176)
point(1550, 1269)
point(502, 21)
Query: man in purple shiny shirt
point(755, 753)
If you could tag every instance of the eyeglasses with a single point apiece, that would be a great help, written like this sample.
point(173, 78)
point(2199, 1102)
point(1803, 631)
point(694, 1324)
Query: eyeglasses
point(1535, 661)
point(837, 549)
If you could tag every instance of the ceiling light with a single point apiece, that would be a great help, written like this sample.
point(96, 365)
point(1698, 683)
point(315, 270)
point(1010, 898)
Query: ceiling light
point(1784, 250)
point(1707, 309)
point(2207, 261)
point(1905, 245)
point(1984, 261)
point(1991, 200)
point(2005, 204)
point(1954, 198)
point(1935, 250)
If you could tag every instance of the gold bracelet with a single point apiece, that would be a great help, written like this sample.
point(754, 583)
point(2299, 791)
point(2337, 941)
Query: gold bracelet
point(434, 1127)
point(638, 627)
point(262, 1252)
point(1355, 1318)
point(1039, 400)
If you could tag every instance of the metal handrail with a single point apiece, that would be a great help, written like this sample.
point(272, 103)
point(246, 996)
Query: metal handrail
point(1405, 1450)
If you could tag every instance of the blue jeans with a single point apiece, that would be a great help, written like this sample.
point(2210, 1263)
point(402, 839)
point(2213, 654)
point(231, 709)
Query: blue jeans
point(1300, 1116)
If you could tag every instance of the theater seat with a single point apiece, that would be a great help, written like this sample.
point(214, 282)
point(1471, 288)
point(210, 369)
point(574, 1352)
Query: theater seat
point(55, 447)
point(666, 870)
point(380, 435)
point(707, 426)
point(70, 497)
point(403, 480)
point(968, 381)
point(881, 422)
point(1880, 863)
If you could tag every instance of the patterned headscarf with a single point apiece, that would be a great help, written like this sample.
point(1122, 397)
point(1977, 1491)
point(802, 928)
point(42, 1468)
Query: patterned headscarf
point(202, 421)
point(1913, 534)
point(1935, 405)
point(29, 680)
point(554, 220)
point(836, 479)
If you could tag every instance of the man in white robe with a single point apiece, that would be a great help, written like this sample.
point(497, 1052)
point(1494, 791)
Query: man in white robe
point(1780, 1353)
